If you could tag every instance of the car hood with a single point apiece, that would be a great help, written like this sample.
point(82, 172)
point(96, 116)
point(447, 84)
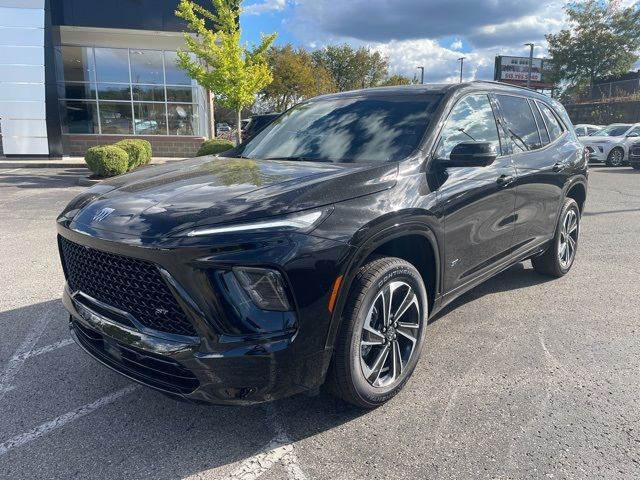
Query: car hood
point(166, 200)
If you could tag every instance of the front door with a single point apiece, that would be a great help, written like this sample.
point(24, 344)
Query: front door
point(477, 203)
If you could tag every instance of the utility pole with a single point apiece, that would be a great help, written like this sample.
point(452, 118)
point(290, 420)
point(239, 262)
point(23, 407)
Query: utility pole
point(461, 60)
point(421, 74)
point(530, 45)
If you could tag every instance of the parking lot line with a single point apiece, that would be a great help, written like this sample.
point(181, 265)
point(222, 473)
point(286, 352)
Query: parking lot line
point(45, 349)
point(15, 362)
point(62, 420)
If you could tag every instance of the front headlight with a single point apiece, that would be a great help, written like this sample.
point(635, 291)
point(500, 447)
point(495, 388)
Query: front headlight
point(301, 222)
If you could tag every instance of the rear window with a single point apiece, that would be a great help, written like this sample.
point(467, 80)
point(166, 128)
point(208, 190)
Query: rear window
point(553, 125)
point(520, 123)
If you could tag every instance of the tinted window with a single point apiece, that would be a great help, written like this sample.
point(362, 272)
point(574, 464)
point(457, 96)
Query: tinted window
point(544, 135)
point(581, 131)
point(634, 130)
point(521, 125)
point(471, 119)
point(347, 129)
point(553, 125)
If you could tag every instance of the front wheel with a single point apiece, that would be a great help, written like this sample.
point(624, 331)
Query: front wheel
point(557, 260)
point(615, 157)
point(382, 333)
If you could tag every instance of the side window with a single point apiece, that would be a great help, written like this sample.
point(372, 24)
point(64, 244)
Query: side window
point(521, 126)
point(634, 130)
point(471, 120)
point(592, 130)
point(544, 135)
point(554, 127)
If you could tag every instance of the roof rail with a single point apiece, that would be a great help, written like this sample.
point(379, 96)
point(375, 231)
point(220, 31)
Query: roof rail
point(504, 84)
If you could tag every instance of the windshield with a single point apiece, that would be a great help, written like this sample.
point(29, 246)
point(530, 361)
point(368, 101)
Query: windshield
point(347, 129)
point(612, 131)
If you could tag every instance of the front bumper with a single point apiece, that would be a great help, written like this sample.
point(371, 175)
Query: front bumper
point(226, 363)
point(596, 154)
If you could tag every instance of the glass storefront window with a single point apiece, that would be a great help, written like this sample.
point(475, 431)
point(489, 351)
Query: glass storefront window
point(133, 91)
point(112, 65)
point(76, 91)
point(174, 75)
point(148, 93)
point(77, 64)
point(180, 94)
point(115, 117)
point(114, 91)
point(182, 119)
point(146, 66)
point(150, 118)
point(78, 117)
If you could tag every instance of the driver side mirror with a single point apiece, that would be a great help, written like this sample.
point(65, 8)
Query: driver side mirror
point(470, 154)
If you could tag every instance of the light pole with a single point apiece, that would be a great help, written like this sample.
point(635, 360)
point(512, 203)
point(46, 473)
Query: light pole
point(530, 45)
point(421, 74)
point(461, 60)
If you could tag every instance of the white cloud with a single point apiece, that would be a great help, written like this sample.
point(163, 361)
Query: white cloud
point(264, 7)
point(407, 31)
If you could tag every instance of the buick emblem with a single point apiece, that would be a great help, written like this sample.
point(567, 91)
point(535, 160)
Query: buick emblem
point(102, 214)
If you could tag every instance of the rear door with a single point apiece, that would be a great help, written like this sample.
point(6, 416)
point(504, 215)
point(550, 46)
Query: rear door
point(477, 202)
point(534, 135)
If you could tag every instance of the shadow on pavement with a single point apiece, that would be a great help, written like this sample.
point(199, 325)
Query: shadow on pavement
point(43, 178)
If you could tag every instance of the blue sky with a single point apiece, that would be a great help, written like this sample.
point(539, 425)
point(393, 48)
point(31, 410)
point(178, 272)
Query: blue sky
point(432, 33)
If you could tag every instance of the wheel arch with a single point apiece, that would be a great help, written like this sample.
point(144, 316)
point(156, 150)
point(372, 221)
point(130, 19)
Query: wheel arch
point(393, 241)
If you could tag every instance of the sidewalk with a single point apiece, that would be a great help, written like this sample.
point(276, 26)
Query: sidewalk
point(67, 162)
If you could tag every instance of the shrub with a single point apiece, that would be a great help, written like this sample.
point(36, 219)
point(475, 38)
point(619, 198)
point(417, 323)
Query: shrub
point(213, 146)
point(147, 146)
point(136, 151)
point(107, 161)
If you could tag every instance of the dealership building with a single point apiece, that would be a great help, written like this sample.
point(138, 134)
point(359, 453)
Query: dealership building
point(78, 73)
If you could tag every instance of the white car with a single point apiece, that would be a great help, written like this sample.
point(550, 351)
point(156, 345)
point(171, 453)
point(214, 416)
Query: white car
point(586, 129)
point(611, 144)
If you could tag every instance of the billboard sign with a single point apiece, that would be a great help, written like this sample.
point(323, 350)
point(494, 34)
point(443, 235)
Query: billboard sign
point(516, 70)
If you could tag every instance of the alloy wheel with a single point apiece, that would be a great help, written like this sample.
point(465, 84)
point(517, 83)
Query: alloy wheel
point(568, 239)
point(616, 157)
point(389, 334)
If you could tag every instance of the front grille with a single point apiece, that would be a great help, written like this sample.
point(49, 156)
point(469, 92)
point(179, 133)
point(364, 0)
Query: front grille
point(128, 284)
point(153, 370)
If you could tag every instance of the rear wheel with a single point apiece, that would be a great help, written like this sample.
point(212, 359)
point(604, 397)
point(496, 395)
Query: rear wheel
point(557, 260)
point(382, 334)
point(615, 157)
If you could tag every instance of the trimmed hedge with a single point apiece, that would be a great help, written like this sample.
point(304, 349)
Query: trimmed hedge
point(213, 146)
point(107, 161)
point(138, 154)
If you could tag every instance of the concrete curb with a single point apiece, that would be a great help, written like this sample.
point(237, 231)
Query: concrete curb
point(87, 182)
point(4, 164)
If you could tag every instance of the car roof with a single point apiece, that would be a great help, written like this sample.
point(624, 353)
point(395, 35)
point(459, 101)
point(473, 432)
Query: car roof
point(436, 88)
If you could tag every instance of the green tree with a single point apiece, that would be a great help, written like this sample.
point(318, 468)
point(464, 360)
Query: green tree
point(295, 77)
point(351, 68)
point(222, 64)
point(602, 40)
point(396, 80)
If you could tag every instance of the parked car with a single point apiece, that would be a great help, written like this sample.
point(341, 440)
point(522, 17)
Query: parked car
point(223, 127)
point(257, 123)
point(319, 249)
point(584, 129)
point(611, 144)
point(634, 156)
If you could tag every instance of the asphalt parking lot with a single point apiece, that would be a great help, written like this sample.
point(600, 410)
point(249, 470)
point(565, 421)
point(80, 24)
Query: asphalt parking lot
point(523, 377)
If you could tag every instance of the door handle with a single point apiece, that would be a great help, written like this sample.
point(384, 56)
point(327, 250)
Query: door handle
point(505, 180)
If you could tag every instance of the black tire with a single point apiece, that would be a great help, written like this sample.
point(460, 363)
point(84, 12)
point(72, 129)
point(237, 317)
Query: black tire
point(614, 160)
point(636, 166)
point(549, 263)
point(347, 378)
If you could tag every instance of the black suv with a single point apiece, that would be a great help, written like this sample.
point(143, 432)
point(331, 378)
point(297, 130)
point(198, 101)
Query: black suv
point(318, 250)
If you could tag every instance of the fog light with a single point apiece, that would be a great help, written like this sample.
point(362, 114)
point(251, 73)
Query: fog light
point(265, 287)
